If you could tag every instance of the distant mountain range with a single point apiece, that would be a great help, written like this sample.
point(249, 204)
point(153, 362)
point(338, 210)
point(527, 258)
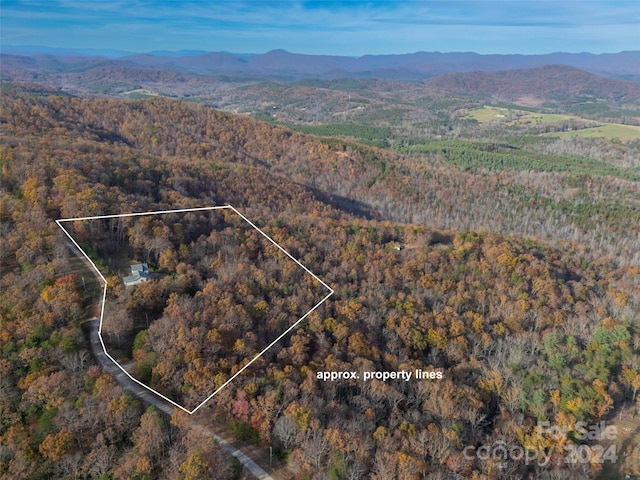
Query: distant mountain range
point(286, 66)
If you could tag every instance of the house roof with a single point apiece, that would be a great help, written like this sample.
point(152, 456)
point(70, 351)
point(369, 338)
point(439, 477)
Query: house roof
point(139, 267)
point(139, 273)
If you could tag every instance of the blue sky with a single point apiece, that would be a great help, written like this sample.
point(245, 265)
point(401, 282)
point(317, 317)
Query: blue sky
point(351, 28)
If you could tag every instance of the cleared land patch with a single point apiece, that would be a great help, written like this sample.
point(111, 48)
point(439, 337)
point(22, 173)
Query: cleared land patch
point(607, 130)
point(514, 116)
point(579, 127)
point(139, 93)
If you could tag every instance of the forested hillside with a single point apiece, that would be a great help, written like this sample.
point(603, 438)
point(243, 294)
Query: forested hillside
point(520, 283)
point(559, 81)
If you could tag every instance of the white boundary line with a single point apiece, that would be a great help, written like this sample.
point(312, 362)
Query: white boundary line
point(104, 293)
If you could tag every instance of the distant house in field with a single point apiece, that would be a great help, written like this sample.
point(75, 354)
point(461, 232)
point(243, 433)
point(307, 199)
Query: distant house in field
point(139, 274)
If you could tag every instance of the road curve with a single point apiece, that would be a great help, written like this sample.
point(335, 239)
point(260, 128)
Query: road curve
point(149, 397)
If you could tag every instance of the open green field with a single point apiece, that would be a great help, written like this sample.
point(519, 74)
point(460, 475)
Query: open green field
point(487, 114)
point(607, 130)
point(140, 93)
point(515, 117)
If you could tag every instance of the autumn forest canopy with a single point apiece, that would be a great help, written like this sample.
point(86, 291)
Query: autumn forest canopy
point(511, 265)
point(218, 293)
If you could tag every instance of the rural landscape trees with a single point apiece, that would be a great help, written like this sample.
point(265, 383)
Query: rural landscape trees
point(518, 281)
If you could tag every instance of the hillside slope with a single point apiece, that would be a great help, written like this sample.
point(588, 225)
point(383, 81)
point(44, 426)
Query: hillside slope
point(522, 330)
point(547, 82)
point(596, 211)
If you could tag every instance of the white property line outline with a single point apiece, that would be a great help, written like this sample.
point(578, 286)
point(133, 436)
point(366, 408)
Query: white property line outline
point(104, 293)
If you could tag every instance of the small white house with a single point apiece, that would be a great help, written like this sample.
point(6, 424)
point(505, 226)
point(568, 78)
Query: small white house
point(139, 274)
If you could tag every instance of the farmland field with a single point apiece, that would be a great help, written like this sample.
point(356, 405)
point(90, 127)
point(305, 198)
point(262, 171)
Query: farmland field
point(589, 128)
point(607, 130)
point(515, 116)
point(140, 93)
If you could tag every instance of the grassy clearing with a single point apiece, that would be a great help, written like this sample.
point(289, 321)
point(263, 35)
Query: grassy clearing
point(607, 130)
point(512, 116)
point(140, 93)
point(488, 114)
point(515, 117)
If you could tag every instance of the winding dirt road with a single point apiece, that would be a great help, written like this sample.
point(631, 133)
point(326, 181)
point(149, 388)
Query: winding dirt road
point(150, 398)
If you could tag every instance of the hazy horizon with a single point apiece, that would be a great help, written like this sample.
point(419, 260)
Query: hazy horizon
point(192, 52)
point(351, 29)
